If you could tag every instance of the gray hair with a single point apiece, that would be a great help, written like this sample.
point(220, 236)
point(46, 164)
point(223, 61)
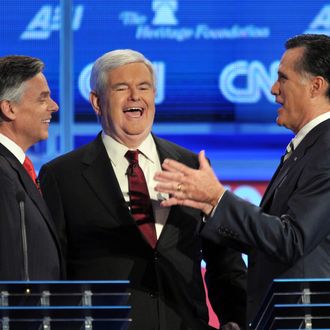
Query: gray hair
point(15, 70)
point(112, 60)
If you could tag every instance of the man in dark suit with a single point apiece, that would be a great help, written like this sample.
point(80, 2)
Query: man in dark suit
point(88, 191)
point(289, 234)
point(29, 249)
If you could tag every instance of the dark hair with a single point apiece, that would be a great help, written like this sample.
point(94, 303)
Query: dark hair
point(14, 71)
point(316, 57)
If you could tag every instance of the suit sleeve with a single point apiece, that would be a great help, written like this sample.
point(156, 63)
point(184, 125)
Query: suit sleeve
point(302, 224)
point(226, 282)
point(52, 196)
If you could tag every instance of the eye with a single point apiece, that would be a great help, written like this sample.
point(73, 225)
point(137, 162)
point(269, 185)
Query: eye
point(144, 87)
point(120, 88)
point(282, 77)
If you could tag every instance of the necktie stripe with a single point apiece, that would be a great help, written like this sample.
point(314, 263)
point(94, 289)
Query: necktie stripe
point(140, 203)
point(289, 150)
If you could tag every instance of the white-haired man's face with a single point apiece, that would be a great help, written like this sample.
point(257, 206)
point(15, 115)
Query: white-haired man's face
point(127, 107)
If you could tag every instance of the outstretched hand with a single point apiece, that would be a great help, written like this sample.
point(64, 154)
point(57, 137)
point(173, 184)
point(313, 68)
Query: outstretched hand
point(190, 187)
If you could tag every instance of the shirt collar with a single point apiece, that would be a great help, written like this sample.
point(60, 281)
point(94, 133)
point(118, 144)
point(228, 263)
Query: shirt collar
point(116, 151)
point(15, 149)
point(308, 127)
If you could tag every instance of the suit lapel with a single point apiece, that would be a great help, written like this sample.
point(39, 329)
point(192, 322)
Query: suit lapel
point(165, 151)
point(281, 172)
point(101, 177)
point(29, 186)
point(296, 157)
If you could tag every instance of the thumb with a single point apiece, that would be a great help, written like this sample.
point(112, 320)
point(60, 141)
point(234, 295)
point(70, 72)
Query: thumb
point(203, 162)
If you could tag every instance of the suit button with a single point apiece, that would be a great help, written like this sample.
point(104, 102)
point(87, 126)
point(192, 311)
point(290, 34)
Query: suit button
point(156, 256)
point(153, 295)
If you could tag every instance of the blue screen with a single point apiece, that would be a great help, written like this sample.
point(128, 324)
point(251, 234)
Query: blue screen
point(215, 60)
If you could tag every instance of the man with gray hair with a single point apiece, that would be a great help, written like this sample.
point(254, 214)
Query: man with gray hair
point(29, 248)
point(111, 224)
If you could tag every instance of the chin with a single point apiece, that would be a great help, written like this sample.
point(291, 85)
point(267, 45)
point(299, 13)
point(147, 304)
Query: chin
point(44, 136)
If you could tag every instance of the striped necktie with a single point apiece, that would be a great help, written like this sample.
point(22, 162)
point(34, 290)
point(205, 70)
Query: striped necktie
point(289, 151)
point(140, 203)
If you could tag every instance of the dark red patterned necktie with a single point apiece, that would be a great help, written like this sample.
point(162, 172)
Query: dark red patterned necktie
point(30, 169)
point(141, 207)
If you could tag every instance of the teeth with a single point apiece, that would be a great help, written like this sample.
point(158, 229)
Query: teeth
point(133, 109)
point(46, 121)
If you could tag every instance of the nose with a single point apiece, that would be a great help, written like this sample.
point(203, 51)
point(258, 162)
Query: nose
point(53, 107)
point(275, 90)
point(134, 94)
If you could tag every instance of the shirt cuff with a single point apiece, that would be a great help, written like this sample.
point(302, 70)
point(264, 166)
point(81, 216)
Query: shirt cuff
point(206, 217)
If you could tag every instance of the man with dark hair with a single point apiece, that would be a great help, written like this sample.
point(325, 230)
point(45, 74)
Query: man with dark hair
point(111, 225)
point(29, 249)
point(288, 236)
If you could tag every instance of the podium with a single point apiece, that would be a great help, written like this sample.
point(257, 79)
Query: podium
point(64, 305)
point(295, 304)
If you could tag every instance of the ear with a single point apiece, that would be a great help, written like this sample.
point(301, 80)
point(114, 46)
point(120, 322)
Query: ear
point(95, 102)
point(6, 110)
point(318, 86)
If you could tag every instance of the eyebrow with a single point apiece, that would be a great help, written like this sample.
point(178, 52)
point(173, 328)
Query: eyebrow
point(127, 84)
point(44, 94)
point(145, 83)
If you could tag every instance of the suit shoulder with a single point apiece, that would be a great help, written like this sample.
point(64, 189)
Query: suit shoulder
point(177, 152)
point(75, 156)
point(171, 145)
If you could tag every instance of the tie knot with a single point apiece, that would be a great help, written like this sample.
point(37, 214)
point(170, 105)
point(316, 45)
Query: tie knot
point(28, 164)
point(289, 150)
point(132, 156)
point(290, 147)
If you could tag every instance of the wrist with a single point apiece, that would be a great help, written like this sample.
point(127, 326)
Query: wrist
point(217, 197)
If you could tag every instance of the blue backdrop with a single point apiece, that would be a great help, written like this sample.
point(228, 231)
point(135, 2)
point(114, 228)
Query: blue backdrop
point(216, 61)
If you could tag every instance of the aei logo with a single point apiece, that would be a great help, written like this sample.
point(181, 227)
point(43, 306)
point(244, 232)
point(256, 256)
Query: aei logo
point(47, 20)
point(321, 22)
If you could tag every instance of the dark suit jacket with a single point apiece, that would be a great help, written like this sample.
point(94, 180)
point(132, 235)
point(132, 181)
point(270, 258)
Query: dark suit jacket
point(289, 235)
point(43, 248)
point(102, 242)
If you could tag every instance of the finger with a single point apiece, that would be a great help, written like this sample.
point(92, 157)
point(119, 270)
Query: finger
point(186, 202)
point(167, 187)
point(171, 202)
point(174, 166)
point(203, 162)
point(168, 176)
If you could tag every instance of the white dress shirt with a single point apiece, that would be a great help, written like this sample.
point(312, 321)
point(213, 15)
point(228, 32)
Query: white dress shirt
point(13, 148)
point(150, 164)
point(308, 127)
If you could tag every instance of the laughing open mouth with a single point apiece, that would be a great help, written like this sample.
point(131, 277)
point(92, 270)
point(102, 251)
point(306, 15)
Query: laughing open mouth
point(134, 112)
